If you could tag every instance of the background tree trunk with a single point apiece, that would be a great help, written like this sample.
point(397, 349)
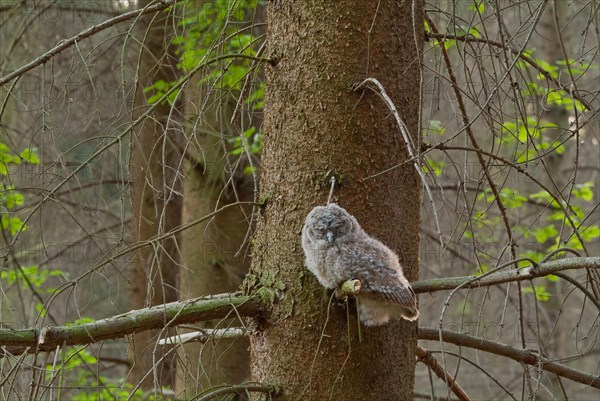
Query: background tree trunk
point(554, 331)
point(214, 253)
point(316, 126)
point(156, 200)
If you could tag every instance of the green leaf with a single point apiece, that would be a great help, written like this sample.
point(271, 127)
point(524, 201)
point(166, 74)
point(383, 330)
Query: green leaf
point(41, 309)
point(589, 233)
point(511, 198)
point(584, 191)
point(7, 156)
point(433, 166)
point(172, 97)
point(543, 233)
point(477, 6)
point(435, 127)
point(29, 156)
point(554, 97)
point(155, 98)
point(540, 292)
point(12, 224)
point(542, 196)
point(249, 132)
point(559, 148)
point(178, 39)
point(574, 243)
point(10, 198)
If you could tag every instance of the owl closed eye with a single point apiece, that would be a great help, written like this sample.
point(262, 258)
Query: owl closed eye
point(337, 249)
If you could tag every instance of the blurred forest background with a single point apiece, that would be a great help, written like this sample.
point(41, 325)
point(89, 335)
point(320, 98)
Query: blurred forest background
point(130, 157)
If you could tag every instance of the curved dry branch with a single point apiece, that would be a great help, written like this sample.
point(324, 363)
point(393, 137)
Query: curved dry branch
point(527, 356)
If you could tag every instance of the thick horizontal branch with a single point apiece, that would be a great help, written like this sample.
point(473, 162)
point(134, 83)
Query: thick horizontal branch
point(221, 306)
point(527, 273)
point(526, 356)
point(156, 317)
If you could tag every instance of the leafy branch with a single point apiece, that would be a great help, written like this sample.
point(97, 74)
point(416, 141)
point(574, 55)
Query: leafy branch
point(441, 37)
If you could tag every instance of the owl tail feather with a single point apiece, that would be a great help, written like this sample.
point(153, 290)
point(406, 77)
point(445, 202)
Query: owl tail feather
point(410, 314)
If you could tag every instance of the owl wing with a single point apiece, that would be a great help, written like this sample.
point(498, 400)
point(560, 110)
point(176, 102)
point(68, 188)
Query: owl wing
point(379, 272)
point(401, 293)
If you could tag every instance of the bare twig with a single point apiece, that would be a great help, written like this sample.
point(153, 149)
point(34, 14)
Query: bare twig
point(546, 74)
point(526, 356)
point(65, 44)
point(428, 359)
point(331, 189)
point(204, 335)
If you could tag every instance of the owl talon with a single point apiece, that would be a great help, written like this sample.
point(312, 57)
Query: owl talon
point(348, 289)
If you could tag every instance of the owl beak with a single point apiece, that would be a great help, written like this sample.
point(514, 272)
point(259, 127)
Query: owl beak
point(330, 237)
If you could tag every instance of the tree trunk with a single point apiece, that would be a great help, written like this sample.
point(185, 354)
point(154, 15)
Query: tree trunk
point(212, 253)
point(554, 329)
point(315, 127)
point(156, 203)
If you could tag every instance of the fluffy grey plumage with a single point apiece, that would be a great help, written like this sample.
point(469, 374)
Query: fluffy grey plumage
point(338, 249)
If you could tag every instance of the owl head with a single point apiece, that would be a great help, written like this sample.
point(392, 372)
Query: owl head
point(329, 223)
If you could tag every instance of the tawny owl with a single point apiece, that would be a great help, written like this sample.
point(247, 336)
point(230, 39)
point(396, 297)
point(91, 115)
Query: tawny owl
point(338, 249)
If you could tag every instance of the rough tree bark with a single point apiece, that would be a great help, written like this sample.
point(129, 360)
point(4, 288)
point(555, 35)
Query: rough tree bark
point(156, 203)
point(317, 126)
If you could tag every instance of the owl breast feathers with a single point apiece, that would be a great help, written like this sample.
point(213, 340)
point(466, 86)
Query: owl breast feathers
point(338, 249)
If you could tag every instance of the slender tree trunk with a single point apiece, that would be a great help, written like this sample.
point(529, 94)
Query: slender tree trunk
point(315, 127)
point(214, 253)
point(555, 329)
point(156, 203)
